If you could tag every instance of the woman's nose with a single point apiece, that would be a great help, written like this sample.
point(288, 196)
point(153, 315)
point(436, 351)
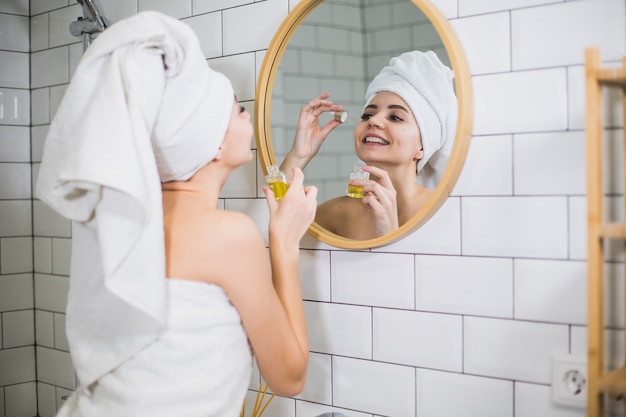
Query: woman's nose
point(376, 121)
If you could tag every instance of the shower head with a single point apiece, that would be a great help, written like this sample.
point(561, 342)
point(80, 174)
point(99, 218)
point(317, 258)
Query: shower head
point(92, 13)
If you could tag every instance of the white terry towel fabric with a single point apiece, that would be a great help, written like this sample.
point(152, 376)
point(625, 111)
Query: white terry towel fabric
point(200, 367)
point(426, 85)
point(143, 107)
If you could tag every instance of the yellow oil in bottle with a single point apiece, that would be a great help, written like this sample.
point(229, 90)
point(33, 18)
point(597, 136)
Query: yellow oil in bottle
point(279, 188)
point(355, 191)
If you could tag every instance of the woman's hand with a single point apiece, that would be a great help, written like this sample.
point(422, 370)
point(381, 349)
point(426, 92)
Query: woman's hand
point(309, 134)
point(380, 196)
point(291, 217)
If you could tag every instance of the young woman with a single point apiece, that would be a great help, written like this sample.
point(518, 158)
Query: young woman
point(404, 137)
point(170, 297)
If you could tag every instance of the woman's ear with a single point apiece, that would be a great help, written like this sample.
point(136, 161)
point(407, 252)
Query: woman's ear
point(419, 154)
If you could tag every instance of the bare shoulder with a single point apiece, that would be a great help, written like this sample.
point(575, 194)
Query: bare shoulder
point(335, 214)
point(207, 246)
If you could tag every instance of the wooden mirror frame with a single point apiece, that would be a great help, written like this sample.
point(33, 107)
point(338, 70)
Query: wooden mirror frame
point(463, 86)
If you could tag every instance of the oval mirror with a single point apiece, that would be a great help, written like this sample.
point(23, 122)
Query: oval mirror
point(335, 46)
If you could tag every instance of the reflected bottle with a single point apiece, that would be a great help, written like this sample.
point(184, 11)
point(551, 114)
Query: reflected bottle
point(357, 173)
point(277, 181)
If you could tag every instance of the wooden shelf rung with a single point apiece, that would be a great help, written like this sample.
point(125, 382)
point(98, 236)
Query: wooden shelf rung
point(612, 76)
point(612, 230)
point(613, 382)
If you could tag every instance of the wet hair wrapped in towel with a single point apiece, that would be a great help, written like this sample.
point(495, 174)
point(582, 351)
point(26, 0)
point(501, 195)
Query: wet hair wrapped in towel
point(143, 107)
point(426, 85)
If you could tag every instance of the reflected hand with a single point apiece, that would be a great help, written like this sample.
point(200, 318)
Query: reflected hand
point(291, 217)
point(380, 196)
point(309, 134)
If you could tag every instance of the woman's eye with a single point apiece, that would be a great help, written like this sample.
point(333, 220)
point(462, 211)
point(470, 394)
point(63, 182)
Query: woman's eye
point(395, 118)
point(365, 116)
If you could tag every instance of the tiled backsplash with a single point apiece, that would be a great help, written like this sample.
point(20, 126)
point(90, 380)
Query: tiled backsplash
point(461, 317)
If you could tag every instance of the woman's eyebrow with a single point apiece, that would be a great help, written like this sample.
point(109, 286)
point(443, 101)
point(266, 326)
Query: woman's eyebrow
point(397, 106)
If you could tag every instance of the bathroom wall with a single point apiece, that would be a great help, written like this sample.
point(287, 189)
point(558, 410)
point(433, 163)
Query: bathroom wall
point(462, 317)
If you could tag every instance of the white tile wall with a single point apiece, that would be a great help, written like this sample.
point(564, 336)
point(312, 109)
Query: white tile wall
point(471, 306)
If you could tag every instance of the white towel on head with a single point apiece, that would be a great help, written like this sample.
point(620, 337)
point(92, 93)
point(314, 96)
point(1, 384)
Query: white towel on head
point(426, 85)
point(143, 107)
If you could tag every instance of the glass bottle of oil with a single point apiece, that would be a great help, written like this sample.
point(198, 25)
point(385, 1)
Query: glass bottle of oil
point(277, 181)
point(357, 173)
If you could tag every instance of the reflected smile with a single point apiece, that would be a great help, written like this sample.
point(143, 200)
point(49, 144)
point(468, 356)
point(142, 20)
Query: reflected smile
point(375, 139)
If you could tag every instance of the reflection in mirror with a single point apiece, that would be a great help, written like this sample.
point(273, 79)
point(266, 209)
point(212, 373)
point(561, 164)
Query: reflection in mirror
point(339, 48)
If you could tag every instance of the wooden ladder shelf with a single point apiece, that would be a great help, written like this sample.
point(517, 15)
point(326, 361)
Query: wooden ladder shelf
point(600, 382)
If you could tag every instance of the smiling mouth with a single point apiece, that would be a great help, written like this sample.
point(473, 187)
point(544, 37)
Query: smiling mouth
point(373, 139)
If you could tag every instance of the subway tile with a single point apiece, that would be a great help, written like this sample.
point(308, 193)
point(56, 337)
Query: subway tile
point(551, 291)
point(533, 400)
point(258, 22)
point(448, 8)
point(60, 338)
point(40, 106)
point(61, 253)
point(178, 9)
point(14, 181)
point(549, 163)
point(472, 395)
point(464, 285)
point(241, 72)
point(488, 167)
point(364, 278)
point(39, 29)
point(16, 292)
point(50, 67)
point(509, 349)
point(612, 109)
point(51, 292)
point(304, 408)
point(55, 367)
point(76, 53)
point(317, 387)
point(373, 387)
point(15, 7)
point(18, 328)
point(420, 339)
point(534, 227)
point(14, 107)
point(14, 35)
point(41, 6)
point(488, 6)
point(59, 25)
point(21, 400)
point(314, 269)
point(339, 329)
point(2, 402)
point(526, 101)
point(14, 69)
point(486, 42)
point(38, 139)
point(46, 400)
point(43, 255)
point(48, 222)
point(551, 35)
point(44, 328)
point(115, 10)
point(16, 255)
point(207, 6)
point(18, 365)
point(14, 144)
point(15, 218)
point(441, 234)
point(208, 29)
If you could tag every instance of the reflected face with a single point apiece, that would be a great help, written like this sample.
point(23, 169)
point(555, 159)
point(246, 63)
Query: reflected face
point(388, 133)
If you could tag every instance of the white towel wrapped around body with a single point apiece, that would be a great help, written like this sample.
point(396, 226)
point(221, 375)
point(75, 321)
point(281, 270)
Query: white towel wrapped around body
point(199, 367)
point(143, 107)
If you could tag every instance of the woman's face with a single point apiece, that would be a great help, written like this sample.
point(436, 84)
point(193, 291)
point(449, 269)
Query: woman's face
point(388, 132)
point(239, 135)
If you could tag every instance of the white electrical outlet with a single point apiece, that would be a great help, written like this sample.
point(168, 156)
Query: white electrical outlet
point(569, 380)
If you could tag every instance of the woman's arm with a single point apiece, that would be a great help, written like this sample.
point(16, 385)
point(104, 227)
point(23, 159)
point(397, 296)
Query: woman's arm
point(309, 135)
